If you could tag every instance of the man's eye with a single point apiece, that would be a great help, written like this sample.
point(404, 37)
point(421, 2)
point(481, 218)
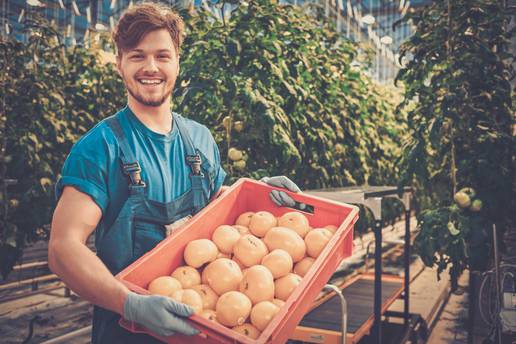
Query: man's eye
point(163, 56)
point(137, 56)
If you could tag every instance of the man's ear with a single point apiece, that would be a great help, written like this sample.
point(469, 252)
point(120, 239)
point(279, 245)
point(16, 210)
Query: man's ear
point(119, 63)
point(178, 63)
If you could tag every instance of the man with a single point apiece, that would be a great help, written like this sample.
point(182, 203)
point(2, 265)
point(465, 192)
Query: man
point(131, 176)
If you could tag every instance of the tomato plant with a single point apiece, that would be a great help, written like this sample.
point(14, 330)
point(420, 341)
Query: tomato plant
point(461, 120)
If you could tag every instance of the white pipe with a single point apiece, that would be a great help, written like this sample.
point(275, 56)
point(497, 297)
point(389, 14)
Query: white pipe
point(70, 335)
point(75, 8)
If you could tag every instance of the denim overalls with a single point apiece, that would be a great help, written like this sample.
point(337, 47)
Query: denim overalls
point(140, 224)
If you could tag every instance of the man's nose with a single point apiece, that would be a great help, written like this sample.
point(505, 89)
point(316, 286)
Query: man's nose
point(150, 65)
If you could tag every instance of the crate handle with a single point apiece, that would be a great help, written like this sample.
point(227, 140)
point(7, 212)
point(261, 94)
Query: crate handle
point(304, 207)
point(300, 206)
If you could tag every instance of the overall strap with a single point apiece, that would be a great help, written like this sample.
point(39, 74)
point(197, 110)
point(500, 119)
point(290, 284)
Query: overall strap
point(193, 158)
point(130, 165)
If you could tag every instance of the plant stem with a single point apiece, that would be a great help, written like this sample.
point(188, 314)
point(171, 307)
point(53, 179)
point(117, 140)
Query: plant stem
point(222, 14)
point(228, 138)
point(452, 148)
point(3, 147)
point(453, 163)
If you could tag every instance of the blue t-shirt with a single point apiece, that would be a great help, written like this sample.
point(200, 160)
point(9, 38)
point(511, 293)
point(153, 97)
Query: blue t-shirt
point(94, 165)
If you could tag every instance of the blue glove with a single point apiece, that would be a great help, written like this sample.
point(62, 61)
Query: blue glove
point(160, 314)
point(280, 197)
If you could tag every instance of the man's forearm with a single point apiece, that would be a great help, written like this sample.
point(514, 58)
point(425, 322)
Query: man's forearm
point(86, 274)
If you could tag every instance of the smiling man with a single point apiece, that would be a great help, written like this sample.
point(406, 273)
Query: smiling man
point(131, 178)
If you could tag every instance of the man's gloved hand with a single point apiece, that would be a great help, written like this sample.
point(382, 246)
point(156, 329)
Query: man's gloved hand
point(280, 197)
point(160, 314)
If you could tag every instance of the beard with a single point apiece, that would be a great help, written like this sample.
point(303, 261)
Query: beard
point(147, 101)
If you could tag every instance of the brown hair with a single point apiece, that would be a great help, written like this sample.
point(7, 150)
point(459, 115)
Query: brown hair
point(143, 18)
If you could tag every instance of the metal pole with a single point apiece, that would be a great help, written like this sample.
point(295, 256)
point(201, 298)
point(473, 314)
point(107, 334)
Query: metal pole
point(344, 309)
point(377, 63)
point(406, 296)
point(338, 18)
point(348, 18)
point(497, 276)
point(378, 281)
point(94, 5)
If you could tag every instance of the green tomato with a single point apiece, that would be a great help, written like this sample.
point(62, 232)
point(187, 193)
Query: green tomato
point(476, 205)
point(469, 191)
point(239, 126)
point(226, 122)
point(462, 199)
point(453, 230)
point(239, 165)
point(235, 154)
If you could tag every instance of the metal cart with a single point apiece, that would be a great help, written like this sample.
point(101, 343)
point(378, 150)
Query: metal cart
point(317, 325)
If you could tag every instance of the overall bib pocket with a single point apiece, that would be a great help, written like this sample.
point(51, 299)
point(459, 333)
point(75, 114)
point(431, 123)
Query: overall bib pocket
point(115, 248)
point(146, 237)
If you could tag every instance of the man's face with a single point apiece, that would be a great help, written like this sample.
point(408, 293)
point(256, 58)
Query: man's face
point(150, 69)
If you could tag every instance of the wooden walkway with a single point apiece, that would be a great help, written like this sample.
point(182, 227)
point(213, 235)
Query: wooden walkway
point(35, 306)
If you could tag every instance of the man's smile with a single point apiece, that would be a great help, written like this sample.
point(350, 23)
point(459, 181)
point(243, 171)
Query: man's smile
point(150, 81)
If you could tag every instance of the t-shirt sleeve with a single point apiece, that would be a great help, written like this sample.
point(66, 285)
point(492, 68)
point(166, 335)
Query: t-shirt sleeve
point(220, 174)
point(86, 175)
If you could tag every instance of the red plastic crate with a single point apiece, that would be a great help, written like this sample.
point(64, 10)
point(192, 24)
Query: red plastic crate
point(247, 195)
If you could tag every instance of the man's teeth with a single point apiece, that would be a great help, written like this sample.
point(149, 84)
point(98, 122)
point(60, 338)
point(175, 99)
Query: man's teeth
point(143, 81)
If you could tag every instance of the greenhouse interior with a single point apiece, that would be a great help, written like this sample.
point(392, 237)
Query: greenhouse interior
point(258, 171)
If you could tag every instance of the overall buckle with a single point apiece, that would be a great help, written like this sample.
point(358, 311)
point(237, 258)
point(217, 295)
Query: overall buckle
point(195, 163)
point(133, 170)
